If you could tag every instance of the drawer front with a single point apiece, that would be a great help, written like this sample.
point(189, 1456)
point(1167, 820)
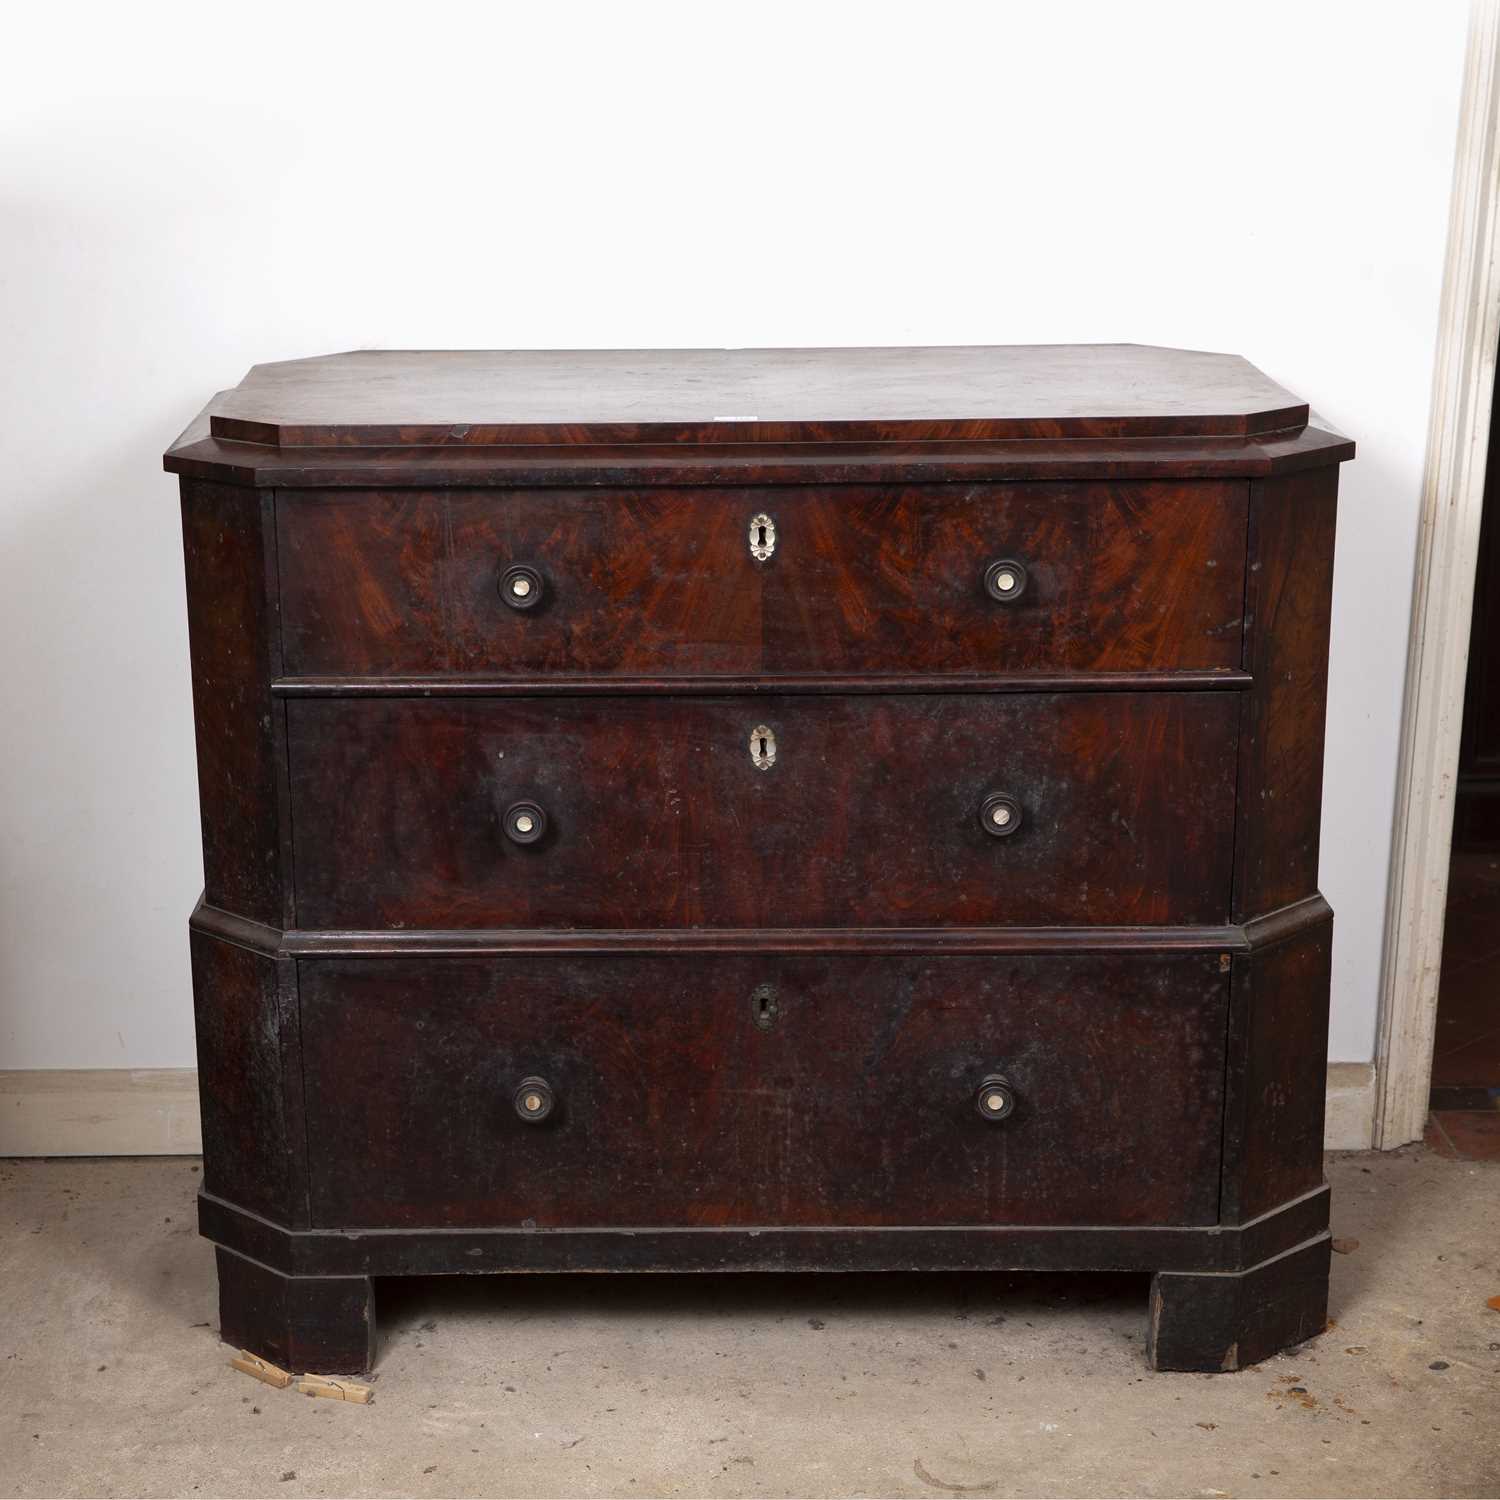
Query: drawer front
point(658, 815)
point(672, 1102)
point(1110, 577)
point(378, 583)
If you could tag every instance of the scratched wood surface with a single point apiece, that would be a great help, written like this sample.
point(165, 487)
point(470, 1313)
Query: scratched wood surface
point(856, 1106)
point(235, 651)
point(1289, 600)
point(249, 1079)
point(1146, 959)
point(582, 396)
point(658, 816)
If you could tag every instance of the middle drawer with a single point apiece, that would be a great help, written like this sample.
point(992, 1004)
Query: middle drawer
point(784, 811)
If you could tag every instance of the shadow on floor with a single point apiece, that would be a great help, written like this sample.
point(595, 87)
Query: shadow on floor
point(405, 1304)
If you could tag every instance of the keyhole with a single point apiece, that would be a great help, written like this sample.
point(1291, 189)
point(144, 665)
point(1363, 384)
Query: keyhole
point(762, 747)
point(760, 535)
point(764, 1007)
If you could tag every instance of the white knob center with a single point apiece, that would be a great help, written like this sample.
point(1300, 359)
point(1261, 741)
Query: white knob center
point(524, 824)
point(1000, 816)
point(520, 587)
point(1006, 581)
point(533, 1103)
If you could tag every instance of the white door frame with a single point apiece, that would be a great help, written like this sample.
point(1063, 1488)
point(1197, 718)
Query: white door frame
point(1447, 552)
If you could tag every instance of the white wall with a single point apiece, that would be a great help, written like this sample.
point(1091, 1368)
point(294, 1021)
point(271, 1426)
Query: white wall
point(186, 190)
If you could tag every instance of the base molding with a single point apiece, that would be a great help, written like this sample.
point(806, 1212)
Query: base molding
point(974, 1247)
point(1222, 1296)
point(154, 1111)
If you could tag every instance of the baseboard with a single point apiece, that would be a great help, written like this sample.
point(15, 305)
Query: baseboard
point(154, 1112)
point(1349, 1121)
point(100, 1112)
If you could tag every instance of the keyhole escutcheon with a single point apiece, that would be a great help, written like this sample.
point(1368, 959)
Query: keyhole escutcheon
point(762, 536)
point(762, 747)
point(764, 1006)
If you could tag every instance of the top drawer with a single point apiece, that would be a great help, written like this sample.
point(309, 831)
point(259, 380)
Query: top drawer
point(851, 579)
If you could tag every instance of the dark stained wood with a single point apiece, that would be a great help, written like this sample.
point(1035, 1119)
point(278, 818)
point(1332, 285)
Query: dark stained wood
point(1121, 578)
point(907, 1247)
point(250, 1079)
point(484, 397)
point(324, 1324)
point(235, 647)
point(1289, 594)
point(1266, 1235)
point(1224, 1321)
point(763, 684)
point(276, 943)
point(890, 940)
point(1278, 1051)
point(408, 582)
point(199, 456)
point(856, 1105)
point(870, 814)
point(1285, 922)
point(1146, 960)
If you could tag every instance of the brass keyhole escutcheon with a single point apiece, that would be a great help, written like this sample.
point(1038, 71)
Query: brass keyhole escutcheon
point(762, 747)
point(762, 536)
point(765, 1007)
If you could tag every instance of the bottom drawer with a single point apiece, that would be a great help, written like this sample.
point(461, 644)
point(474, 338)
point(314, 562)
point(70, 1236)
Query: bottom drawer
point(758, 1090)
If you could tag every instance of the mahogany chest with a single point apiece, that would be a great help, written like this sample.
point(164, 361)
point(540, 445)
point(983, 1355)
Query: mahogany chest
point(761, 809)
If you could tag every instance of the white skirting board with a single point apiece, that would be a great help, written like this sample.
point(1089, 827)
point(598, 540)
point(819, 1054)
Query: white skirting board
point(154, 1112)
point(100, 1112)
point(1349, 1122)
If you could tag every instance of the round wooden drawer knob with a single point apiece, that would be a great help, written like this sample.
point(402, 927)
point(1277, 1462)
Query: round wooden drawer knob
point(522, 587)
point(534, 1100)
point(995, 1099)
point(1005, 580)
point(525, 822)
point(1000, 816)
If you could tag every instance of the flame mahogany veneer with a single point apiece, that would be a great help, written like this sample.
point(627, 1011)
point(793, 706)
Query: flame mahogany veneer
point(762, 809)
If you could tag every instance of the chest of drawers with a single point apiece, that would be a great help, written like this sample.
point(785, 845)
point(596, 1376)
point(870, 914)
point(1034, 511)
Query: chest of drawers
point(754, 810)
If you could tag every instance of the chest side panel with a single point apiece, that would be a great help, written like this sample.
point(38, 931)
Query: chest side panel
point(1273, 1135)
point(1290, 600)
point(249, 1079)
point(234, 635)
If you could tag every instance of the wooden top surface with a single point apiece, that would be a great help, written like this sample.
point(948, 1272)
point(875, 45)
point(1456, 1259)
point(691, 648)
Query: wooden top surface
point(468, 398)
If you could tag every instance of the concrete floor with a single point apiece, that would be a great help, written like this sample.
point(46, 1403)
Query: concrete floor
point(113, 1382)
